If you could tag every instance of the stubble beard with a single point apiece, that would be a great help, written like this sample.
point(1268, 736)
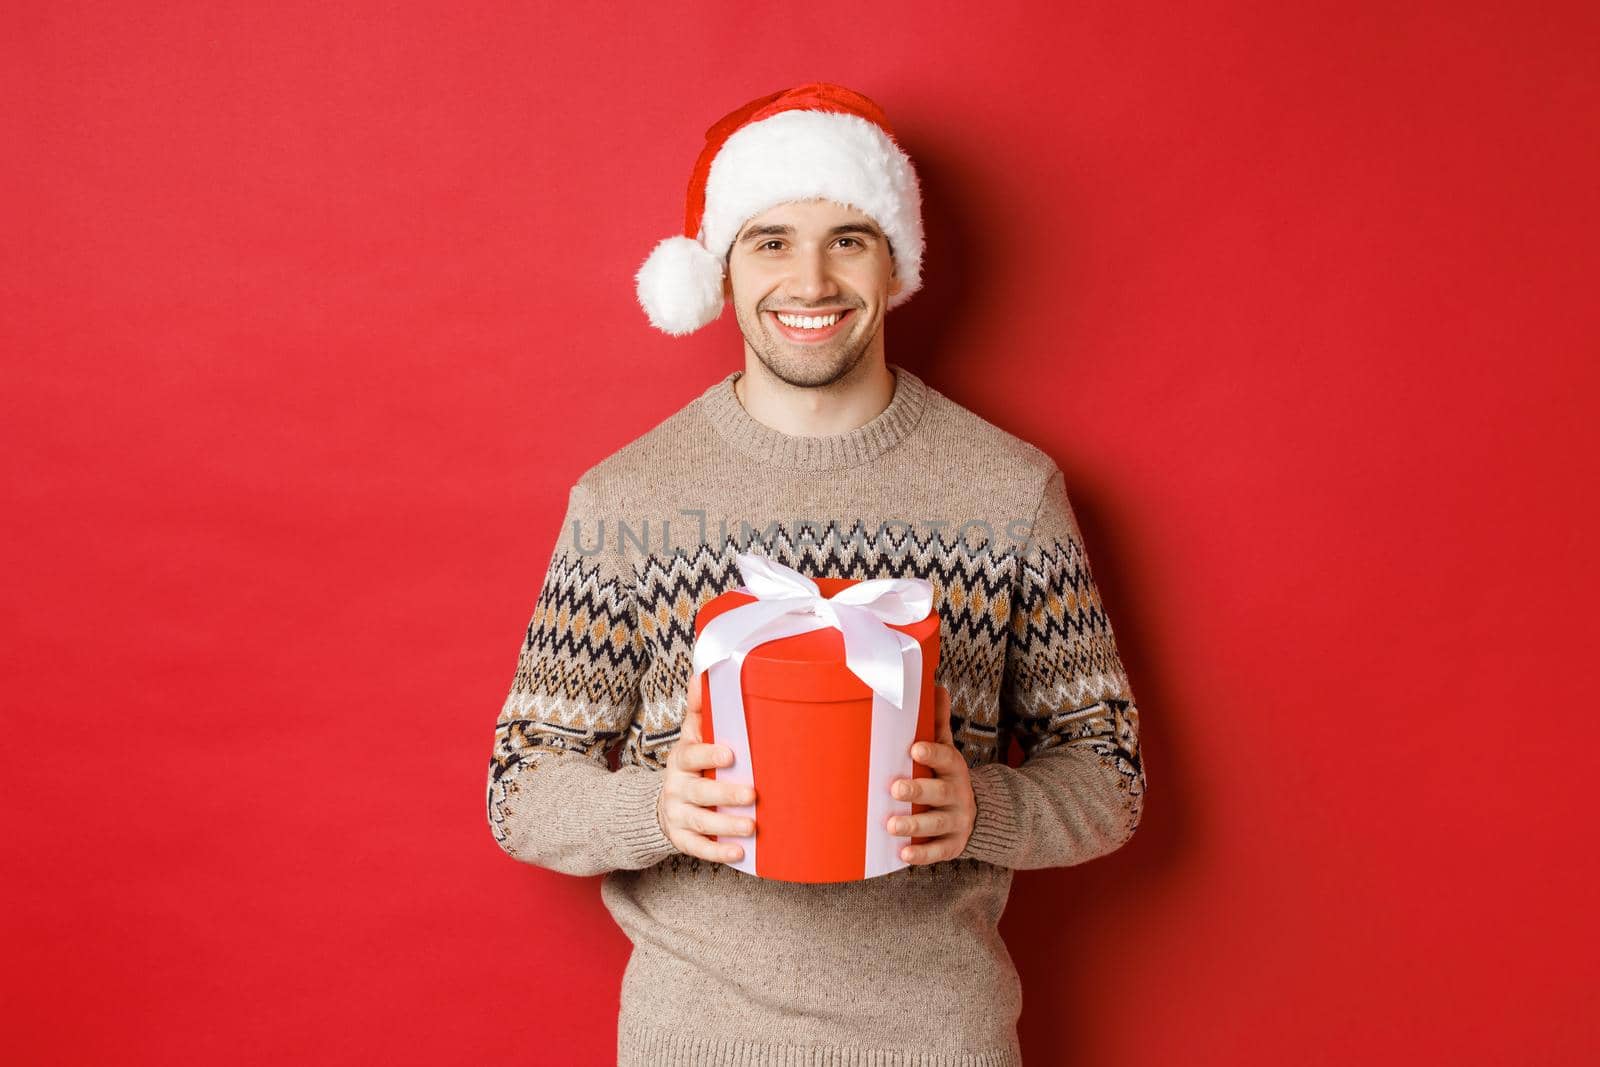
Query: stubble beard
point(805, 368)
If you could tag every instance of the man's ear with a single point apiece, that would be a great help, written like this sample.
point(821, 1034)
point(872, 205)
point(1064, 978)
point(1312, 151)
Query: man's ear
point(895, 284)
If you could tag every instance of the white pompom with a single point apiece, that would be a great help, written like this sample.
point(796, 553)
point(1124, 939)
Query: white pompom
point(680, 285)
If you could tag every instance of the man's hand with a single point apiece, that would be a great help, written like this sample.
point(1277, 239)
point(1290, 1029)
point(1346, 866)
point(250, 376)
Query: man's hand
point(948, 794)
point(683, 809)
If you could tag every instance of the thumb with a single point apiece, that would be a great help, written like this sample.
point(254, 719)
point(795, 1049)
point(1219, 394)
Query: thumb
point(941, 719)
point(691, 713)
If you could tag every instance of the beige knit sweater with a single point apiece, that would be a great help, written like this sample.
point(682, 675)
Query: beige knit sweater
point(906, 968)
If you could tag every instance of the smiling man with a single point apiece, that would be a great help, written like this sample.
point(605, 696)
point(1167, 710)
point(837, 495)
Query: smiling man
point(805, 214)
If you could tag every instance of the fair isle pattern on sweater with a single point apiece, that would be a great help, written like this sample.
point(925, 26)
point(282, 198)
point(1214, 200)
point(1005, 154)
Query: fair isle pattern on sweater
point(1027, 652)
point(587, 638)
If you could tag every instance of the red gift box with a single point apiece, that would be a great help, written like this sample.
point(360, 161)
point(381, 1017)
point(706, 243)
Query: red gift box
point(820, 745)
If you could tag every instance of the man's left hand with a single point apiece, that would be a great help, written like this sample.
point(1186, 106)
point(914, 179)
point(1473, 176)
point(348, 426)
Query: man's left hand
point(947, 795)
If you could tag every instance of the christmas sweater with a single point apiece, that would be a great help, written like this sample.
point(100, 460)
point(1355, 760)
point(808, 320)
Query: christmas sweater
point(904, 968)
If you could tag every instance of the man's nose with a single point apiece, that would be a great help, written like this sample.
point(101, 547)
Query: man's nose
point(813, 280)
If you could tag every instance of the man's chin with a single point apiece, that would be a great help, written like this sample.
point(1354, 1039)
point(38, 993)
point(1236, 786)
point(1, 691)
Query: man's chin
point(801, 366)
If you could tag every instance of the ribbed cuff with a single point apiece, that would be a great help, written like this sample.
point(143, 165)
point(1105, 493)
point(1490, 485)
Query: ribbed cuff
point(636, 824)
point(994, 830)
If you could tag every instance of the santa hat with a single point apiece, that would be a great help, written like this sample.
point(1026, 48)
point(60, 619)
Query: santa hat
point(815, 140)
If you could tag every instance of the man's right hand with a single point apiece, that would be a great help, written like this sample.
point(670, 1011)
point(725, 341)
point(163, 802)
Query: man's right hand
point(684, 808)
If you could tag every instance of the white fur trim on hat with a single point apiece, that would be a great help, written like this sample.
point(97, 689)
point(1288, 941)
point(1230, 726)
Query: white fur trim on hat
point(793, 155)
point(798, 155)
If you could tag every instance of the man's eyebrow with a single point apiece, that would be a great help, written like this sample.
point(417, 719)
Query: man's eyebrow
point(775, 230)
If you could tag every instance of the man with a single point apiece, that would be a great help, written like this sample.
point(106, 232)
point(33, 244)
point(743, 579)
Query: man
point(805, 213)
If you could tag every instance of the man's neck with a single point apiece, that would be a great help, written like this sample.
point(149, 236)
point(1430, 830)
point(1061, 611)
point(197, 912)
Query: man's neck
point(800, 411)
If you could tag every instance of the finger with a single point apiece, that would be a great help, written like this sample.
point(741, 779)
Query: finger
point(713, 792)
point(679, 814)
point(934, 792)
point(701, 755)
point(707, 821)
point(942, 716)
point(947, 847)
point(924, 824)
point(693, 844)
point(941, 757)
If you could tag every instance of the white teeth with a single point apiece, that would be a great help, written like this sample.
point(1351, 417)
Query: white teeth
point(807, 322)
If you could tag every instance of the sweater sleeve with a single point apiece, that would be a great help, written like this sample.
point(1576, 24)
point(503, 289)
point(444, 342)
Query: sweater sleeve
point(1079, 793)
point(553, 800)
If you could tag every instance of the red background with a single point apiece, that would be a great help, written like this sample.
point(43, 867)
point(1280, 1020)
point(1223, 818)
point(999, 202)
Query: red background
point(312, 313)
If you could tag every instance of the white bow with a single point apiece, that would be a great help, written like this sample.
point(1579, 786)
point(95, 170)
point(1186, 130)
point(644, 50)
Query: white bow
point(888, 661)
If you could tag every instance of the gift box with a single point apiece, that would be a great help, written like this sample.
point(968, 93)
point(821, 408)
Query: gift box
point(819, 686)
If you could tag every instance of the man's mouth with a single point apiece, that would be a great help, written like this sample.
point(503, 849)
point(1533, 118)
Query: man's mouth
point(809, 329)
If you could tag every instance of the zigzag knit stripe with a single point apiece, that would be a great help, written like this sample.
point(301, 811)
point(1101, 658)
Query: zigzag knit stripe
point(596, 654)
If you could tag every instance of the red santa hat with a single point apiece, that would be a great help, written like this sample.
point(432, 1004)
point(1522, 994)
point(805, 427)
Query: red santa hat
point(815, 140)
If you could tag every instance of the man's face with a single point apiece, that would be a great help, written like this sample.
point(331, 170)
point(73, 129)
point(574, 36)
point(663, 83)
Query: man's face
point(817, 259)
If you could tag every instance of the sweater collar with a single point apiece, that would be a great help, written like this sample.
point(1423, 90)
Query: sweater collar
point(888, 428)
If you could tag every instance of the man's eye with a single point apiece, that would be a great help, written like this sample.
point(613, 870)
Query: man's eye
point(857, 241)
point(764, 244)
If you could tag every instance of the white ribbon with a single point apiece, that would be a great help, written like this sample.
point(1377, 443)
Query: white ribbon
point(888, 661)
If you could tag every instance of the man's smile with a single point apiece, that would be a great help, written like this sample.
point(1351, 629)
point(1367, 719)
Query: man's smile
point(811, 327)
